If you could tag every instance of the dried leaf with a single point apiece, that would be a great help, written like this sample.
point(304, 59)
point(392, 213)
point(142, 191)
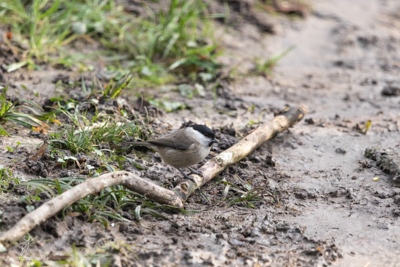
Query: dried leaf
point(9, 35)
point(44, 125)
point(39, 129)
point(42, 149)
point(55, 121)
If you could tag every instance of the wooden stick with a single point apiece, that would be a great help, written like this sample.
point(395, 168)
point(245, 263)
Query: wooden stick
point(88, 187)
point(175, 197)
point(251, 142)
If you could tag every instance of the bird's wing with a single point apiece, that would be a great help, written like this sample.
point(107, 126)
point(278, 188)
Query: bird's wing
point(173, 141)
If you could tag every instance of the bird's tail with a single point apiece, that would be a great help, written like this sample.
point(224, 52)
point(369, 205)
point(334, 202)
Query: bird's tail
point(126, 144)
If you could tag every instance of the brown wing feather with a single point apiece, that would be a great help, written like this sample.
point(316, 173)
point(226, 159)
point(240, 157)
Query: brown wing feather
point(173, 141)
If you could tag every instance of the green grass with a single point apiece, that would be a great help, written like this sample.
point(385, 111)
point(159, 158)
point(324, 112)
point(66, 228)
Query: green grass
point(44, 30)
point(89, 138)
point(6, 179)
point(169, 34)
point(39, 26)
point(265, 67)
point(241, 191)
point(113, 90)
point(244, 192)
point(11, 112)
point(86, 131)
point(100, 139)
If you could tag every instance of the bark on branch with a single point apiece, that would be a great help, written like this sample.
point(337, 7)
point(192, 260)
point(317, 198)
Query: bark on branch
point(175, 197)
point(88, 187)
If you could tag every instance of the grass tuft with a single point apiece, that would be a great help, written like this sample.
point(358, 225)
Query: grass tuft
point(263, 68)
point(7, 179)
point(89, 138)
point(10, 112)
point(41, 31)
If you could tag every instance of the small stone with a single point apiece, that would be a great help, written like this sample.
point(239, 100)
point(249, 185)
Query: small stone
point(391, 90)
point(396, 212)
point(340, 151)
point(270, 161)
point(396, 200)
point(123, 227)
point(310, 121)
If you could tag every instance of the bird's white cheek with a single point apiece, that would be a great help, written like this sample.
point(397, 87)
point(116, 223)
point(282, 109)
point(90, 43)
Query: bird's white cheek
point(203, 140)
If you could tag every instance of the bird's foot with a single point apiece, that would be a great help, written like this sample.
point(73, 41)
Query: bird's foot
point(195, 172)
point(186, 176)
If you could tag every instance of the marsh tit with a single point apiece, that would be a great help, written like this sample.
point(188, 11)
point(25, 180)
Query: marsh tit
point(183, 148)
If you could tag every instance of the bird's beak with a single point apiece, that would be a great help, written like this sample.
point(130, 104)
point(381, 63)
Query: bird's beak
point(215, 141)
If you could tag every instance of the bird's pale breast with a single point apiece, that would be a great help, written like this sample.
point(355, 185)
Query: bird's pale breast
point(183, 158)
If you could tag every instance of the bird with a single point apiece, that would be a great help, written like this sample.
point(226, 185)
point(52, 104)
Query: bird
point(184, 147)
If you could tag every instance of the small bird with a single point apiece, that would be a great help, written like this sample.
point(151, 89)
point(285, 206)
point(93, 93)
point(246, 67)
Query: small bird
point(184, 147)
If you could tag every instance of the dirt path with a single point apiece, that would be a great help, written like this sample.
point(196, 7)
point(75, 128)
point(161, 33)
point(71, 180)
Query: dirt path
point(346, 53)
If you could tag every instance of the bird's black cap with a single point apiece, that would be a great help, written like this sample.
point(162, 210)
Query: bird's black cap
point(204, 130)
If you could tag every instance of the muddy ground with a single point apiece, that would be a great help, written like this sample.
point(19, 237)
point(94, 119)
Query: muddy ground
point(327, 207)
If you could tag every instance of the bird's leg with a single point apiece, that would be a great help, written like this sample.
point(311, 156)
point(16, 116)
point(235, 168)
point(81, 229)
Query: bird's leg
point(195, 172)
point(185, 175)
